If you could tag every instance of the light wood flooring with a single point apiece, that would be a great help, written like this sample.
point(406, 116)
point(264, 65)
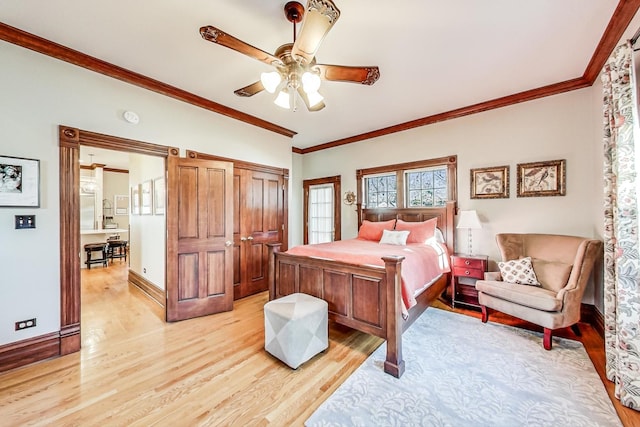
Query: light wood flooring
point(136, 370)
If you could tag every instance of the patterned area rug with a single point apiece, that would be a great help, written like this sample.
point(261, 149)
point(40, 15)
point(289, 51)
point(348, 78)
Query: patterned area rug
point(461, 372)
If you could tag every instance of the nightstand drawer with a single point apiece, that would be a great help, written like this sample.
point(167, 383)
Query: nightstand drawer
point(476, 273)
point(468, 263)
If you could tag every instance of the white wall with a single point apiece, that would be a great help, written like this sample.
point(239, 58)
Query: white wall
point(148, 232)
point(39, 93)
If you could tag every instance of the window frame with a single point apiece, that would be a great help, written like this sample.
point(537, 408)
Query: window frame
point(337, 207)
point(400, 169)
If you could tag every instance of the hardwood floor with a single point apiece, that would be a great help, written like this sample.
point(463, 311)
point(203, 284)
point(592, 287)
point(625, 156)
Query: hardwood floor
point(135, 369)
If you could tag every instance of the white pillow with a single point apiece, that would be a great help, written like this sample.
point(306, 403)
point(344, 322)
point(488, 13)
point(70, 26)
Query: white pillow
point(394, 237)
point(519, 271)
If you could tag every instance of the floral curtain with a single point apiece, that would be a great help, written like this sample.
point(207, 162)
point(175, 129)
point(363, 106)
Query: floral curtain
point(621, 248)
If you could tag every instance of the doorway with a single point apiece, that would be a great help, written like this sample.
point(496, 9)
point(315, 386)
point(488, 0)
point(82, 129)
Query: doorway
point(70, 140)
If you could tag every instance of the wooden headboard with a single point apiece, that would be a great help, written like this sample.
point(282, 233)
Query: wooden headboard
point(445, 215)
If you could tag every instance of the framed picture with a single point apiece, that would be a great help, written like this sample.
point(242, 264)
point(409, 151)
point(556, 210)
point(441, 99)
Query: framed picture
point(158, 196)
point(121, 204)
point(19, 182)
point(135, 200)
point(490, 183)
point(146, 198)
point(542, 178)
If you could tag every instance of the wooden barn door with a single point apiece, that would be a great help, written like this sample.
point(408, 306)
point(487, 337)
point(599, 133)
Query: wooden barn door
point(199, 238)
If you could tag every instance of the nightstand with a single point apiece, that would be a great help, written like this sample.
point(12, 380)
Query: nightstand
point(465, 271)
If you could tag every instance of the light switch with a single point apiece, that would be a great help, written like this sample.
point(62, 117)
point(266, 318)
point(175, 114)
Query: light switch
point(25, 221)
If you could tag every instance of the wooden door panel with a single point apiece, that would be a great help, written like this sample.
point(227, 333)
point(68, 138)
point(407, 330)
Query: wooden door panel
point(188, 208)
point(200, 238)
point(216, 269)
point(188, 276)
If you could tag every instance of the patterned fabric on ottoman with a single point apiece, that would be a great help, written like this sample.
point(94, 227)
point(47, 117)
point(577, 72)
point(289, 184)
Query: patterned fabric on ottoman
point(295, 328)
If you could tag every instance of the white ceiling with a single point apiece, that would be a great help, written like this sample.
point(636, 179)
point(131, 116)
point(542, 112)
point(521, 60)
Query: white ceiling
point(434, 56)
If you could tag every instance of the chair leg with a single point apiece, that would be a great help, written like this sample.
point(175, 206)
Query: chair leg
point(576, 330)
point(485, 314)
point(546, 341)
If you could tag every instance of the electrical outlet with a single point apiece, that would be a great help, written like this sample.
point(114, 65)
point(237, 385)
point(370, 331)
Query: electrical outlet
point(144, 270)
point(24, 324)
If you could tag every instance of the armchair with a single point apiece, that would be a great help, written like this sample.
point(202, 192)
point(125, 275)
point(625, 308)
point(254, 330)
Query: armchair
point(562, 266)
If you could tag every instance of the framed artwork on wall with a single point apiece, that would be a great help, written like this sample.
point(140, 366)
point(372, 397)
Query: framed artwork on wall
point(545, 178)
point(490, 183)
point(146, 198)
point(19, 182)
point(121, 205)
point(135, 200)
point(158, 196)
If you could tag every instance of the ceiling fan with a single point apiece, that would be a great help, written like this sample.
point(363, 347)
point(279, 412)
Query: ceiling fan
point(295, 63)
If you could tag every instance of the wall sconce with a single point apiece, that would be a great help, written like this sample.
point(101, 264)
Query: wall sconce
point(349, 198)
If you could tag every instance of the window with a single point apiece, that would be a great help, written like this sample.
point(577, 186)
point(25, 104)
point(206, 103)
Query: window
point(424, 183)
point(427, 187)
point(321, 210)
point(381, 191)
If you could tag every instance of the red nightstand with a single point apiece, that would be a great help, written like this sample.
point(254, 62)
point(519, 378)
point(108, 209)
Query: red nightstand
point(465, 271)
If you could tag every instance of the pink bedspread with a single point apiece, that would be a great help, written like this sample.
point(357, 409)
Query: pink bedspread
point(422, 265)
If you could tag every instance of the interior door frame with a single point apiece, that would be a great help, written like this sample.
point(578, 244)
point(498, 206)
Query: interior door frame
point(70, 140)
point(337, 207)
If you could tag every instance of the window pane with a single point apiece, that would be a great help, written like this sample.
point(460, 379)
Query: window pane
point(427, 187)
point(381, 191)
point(320, 227)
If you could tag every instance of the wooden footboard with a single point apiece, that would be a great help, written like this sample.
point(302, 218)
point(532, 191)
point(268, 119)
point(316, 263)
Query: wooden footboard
point(365, 298)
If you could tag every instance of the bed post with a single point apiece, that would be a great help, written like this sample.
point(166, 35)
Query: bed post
point(272, 249)
point(394, 363)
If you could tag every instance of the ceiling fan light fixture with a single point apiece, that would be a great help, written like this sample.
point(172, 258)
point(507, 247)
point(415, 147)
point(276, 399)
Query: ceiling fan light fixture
point(314, 98)
point(270, 81)
point(282, 100)
point(310, 82)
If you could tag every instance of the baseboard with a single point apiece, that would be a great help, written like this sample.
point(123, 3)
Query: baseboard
point(589, 313)
point(29, 351)
point(154, 292)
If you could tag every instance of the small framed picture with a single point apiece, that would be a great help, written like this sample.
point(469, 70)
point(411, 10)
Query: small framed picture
point(146, 198)
point(158, 196)
point(135, 200)
point(19, 182)
point(490, 183)
point(121, 204)
point(542, 178)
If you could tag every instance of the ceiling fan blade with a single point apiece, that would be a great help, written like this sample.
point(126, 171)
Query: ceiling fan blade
point(250, 90)
point(319, 106)
point(343, 73)
point(217, 36)
point(319, 17)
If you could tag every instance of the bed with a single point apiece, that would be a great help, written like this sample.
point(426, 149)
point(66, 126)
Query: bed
point(365, 297)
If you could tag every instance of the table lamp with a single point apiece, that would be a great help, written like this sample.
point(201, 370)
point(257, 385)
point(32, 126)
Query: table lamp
point(470, 221)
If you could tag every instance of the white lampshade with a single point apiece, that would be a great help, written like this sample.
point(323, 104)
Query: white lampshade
point(283, 100)
point(310, 82)
point(314, 98)
point(469, 219)
point(270, 81)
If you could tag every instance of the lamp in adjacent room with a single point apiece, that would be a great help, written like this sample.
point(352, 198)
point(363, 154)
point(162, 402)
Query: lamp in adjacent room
point(469, 220)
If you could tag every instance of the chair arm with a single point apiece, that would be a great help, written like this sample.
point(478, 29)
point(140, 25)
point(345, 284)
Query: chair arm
point(492, 275)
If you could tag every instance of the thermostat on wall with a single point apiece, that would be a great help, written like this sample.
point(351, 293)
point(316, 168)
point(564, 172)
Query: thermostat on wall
point(131, 117)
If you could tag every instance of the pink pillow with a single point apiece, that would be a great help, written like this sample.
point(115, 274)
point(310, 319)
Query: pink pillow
point(419, 232)
point(373, 230)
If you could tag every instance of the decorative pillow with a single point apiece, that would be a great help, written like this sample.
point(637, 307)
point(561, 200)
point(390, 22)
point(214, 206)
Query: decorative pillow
point(373, 230)
point(419, 231)
point(519, 271)
point(394, 237)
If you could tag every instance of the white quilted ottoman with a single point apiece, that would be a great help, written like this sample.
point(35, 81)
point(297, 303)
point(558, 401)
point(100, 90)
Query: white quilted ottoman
point(295, 328)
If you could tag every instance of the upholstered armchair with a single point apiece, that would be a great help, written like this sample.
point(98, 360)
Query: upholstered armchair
point(547, 276)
